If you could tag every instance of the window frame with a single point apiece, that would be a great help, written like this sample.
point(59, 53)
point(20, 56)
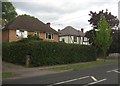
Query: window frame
point(75, 38)
point(20, 33)
point(49, 34)
point(36, 33)
point(63, 39)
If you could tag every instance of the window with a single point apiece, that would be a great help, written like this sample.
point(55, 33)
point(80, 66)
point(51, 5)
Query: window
point(63, 40)
point(36, 33)
point(49, 36)
point(21, 34)
point(75, 38)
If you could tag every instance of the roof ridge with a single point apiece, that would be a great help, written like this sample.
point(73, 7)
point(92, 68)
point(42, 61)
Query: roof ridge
point(69, 30)
point(30, 24)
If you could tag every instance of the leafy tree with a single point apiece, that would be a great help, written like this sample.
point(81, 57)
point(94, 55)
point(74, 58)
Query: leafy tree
point(8, 11)
point(103, 39)
point(95, 18)
point(90, 35)
point(28, 15)
point(115, 48)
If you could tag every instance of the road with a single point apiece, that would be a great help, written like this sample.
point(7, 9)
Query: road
point(105, 74)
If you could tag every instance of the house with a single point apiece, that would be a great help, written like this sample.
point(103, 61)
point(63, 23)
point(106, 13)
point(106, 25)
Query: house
point(85, 41)
point(25, 25)
point(71, 35)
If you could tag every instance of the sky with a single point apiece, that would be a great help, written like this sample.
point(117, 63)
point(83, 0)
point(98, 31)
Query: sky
point(62, 13)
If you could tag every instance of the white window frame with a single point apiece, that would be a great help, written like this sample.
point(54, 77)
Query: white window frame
point(47, 36)
point(36, 33)
point(75, 38)
point(20, 33)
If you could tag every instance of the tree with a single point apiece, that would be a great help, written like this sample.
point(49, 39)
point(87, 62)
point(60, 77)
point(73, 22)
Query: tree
point(28, 15)
point(95, 18)
point(103, 39)
point(115, 48)
point(8, 12)
point(90, 35)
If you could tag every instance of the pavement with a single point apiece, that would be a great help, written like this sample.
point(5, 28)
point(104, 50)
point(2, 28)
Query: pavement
point(105, 74)
point(22, 72)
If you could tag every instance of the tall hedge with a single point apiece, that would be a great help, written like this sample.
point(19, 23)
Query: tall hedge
point(47, 53)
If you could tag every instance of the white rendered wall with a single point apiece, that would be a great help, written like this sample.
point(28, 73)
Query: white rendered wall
point(70, 39)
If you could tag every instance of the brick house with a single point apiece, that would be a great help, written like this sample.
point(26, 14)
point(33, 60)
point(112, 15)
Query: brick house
point(25, 25)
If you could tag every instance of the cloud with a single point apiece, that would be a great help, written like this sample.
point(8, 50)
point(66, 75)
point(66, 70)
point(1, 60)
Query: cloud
point(38, 7)
point(64, 12)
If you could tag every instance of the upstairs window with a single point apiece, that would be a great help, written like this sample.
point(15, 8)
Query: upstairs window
point(49, 36)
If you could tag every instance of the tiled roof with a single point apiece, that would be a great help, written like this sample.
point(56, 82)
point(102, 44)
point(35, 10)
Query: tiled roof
point(70, 31)
point(29, 24)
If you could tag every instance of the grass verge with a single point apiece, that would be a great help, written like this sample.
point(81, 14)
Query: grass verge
point(7, 74)
point(83, 65)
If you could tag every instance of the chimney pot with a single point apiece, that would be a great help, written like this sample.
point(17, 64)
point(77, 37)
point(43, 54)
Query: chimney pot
point(82, 30)
point(48, 24)
point(58, 30)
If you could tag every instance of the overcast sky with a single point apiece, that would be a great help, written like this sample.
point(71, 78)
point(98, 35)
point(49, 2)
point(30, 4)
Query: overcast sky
point(62, 13)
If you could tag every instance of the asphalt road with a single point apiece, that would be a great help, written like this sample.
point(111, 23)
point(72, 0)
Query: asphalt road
point(106, 74)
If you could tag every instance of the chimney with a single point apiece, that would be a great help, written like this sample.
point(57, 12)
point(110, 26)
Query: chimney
point(82, 30)
point(58, 30)
point(48, 24)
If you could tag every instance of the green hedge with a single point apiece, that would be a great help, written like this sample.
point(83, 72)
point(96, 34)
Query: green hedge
point(47, 53)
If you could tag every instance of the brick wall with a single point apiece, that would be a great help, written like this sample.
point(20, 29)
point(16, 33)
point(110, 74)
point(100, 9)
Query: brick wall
point(56, 39)
point(12, 36)
point(5, 36)
point(31, 33)
point(42, 35)
point(9, 36)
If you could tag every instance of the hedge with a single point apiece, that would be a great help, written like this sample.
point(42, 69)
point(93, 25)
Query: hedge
point(47, 53)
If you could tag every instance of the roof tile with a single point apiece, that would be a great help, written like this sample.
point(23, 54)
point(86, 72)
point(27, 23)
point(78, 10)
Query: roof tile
point(30, 24)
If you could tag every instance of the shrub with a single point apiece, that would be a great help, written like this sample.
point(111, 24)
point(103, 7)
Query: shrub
point(30, 38)
point(47, 53)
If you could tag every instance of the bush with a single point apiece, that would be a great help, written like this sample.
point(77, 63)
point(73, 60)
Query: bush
point(47, 53)
point(30, 38)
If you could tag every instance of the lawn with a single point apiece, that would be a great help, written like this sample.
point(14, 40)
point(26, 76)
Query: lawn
point(7, 74)
point(84, 65)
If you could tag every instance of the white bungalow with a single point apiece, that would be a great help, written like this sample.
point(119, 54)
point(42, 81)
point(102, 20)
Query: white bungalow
point(71, 35)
